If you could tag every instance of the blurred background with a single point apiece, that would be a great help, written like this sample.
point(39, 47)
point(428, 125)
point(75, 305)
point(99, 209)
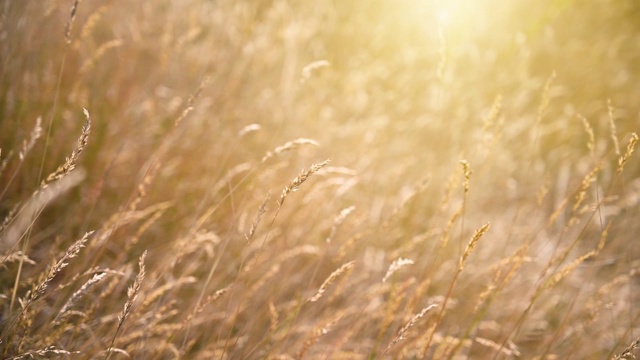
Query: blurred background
point(188, 100)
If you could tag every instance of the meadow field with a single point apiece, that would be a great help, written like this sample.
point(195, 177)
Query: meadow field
point(358, 179)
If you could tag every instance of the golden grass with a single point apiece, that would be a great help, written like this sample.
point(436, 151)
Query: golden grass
point(148, 229)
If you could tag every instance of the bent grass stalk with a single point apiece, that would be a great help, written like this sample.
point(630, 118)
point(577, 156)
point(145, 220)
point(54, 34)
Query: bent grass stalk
point(470, 246)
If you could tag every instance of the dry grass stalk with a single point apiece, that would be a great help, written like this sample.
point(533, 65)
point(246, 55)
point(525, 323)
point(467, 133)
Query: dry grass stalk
point(395, 266)
point(622, 160)
point(402, 333)
point(132, 294)
point(288, 146)
point(333, 276)
point(294, 184)
point(70, 163)
point(612, 127)
point(463, 258)
point(337, 221)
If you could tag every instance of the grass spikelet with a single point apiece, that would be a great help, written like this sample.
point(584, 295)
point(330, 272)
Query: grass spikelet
point(249, 129)
point(582, 191)
point(628, 352)
point(449, 186)
point(90, 24)
point(256, 221)
point(203, 304)
point(402, 333)
point(311, 68)
point(467, 175)
point(33, 137)
point(419, 188)
point(132, 294)
point(332, 277)
point(71, 161)
point(446, 233)
point(337, 221)
point(46, 352)
point(316, 334)
point(591, 141)
point(69, 26)
point(511, 351)
point(157, 293)
point(273, 317)
point(556, 214)
point(89, 64)
point(490, 120)
point(612, 128)
point(5, 162)
point(77, 295)
point(294, 184)
point(567, 269)
point(27, 145)
point(622, 160)
point(544, 103)
point(21, 219)
point(15, 256)
point(472, 244)
point(71, 252)
point(395, 266)
point(287, 147)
